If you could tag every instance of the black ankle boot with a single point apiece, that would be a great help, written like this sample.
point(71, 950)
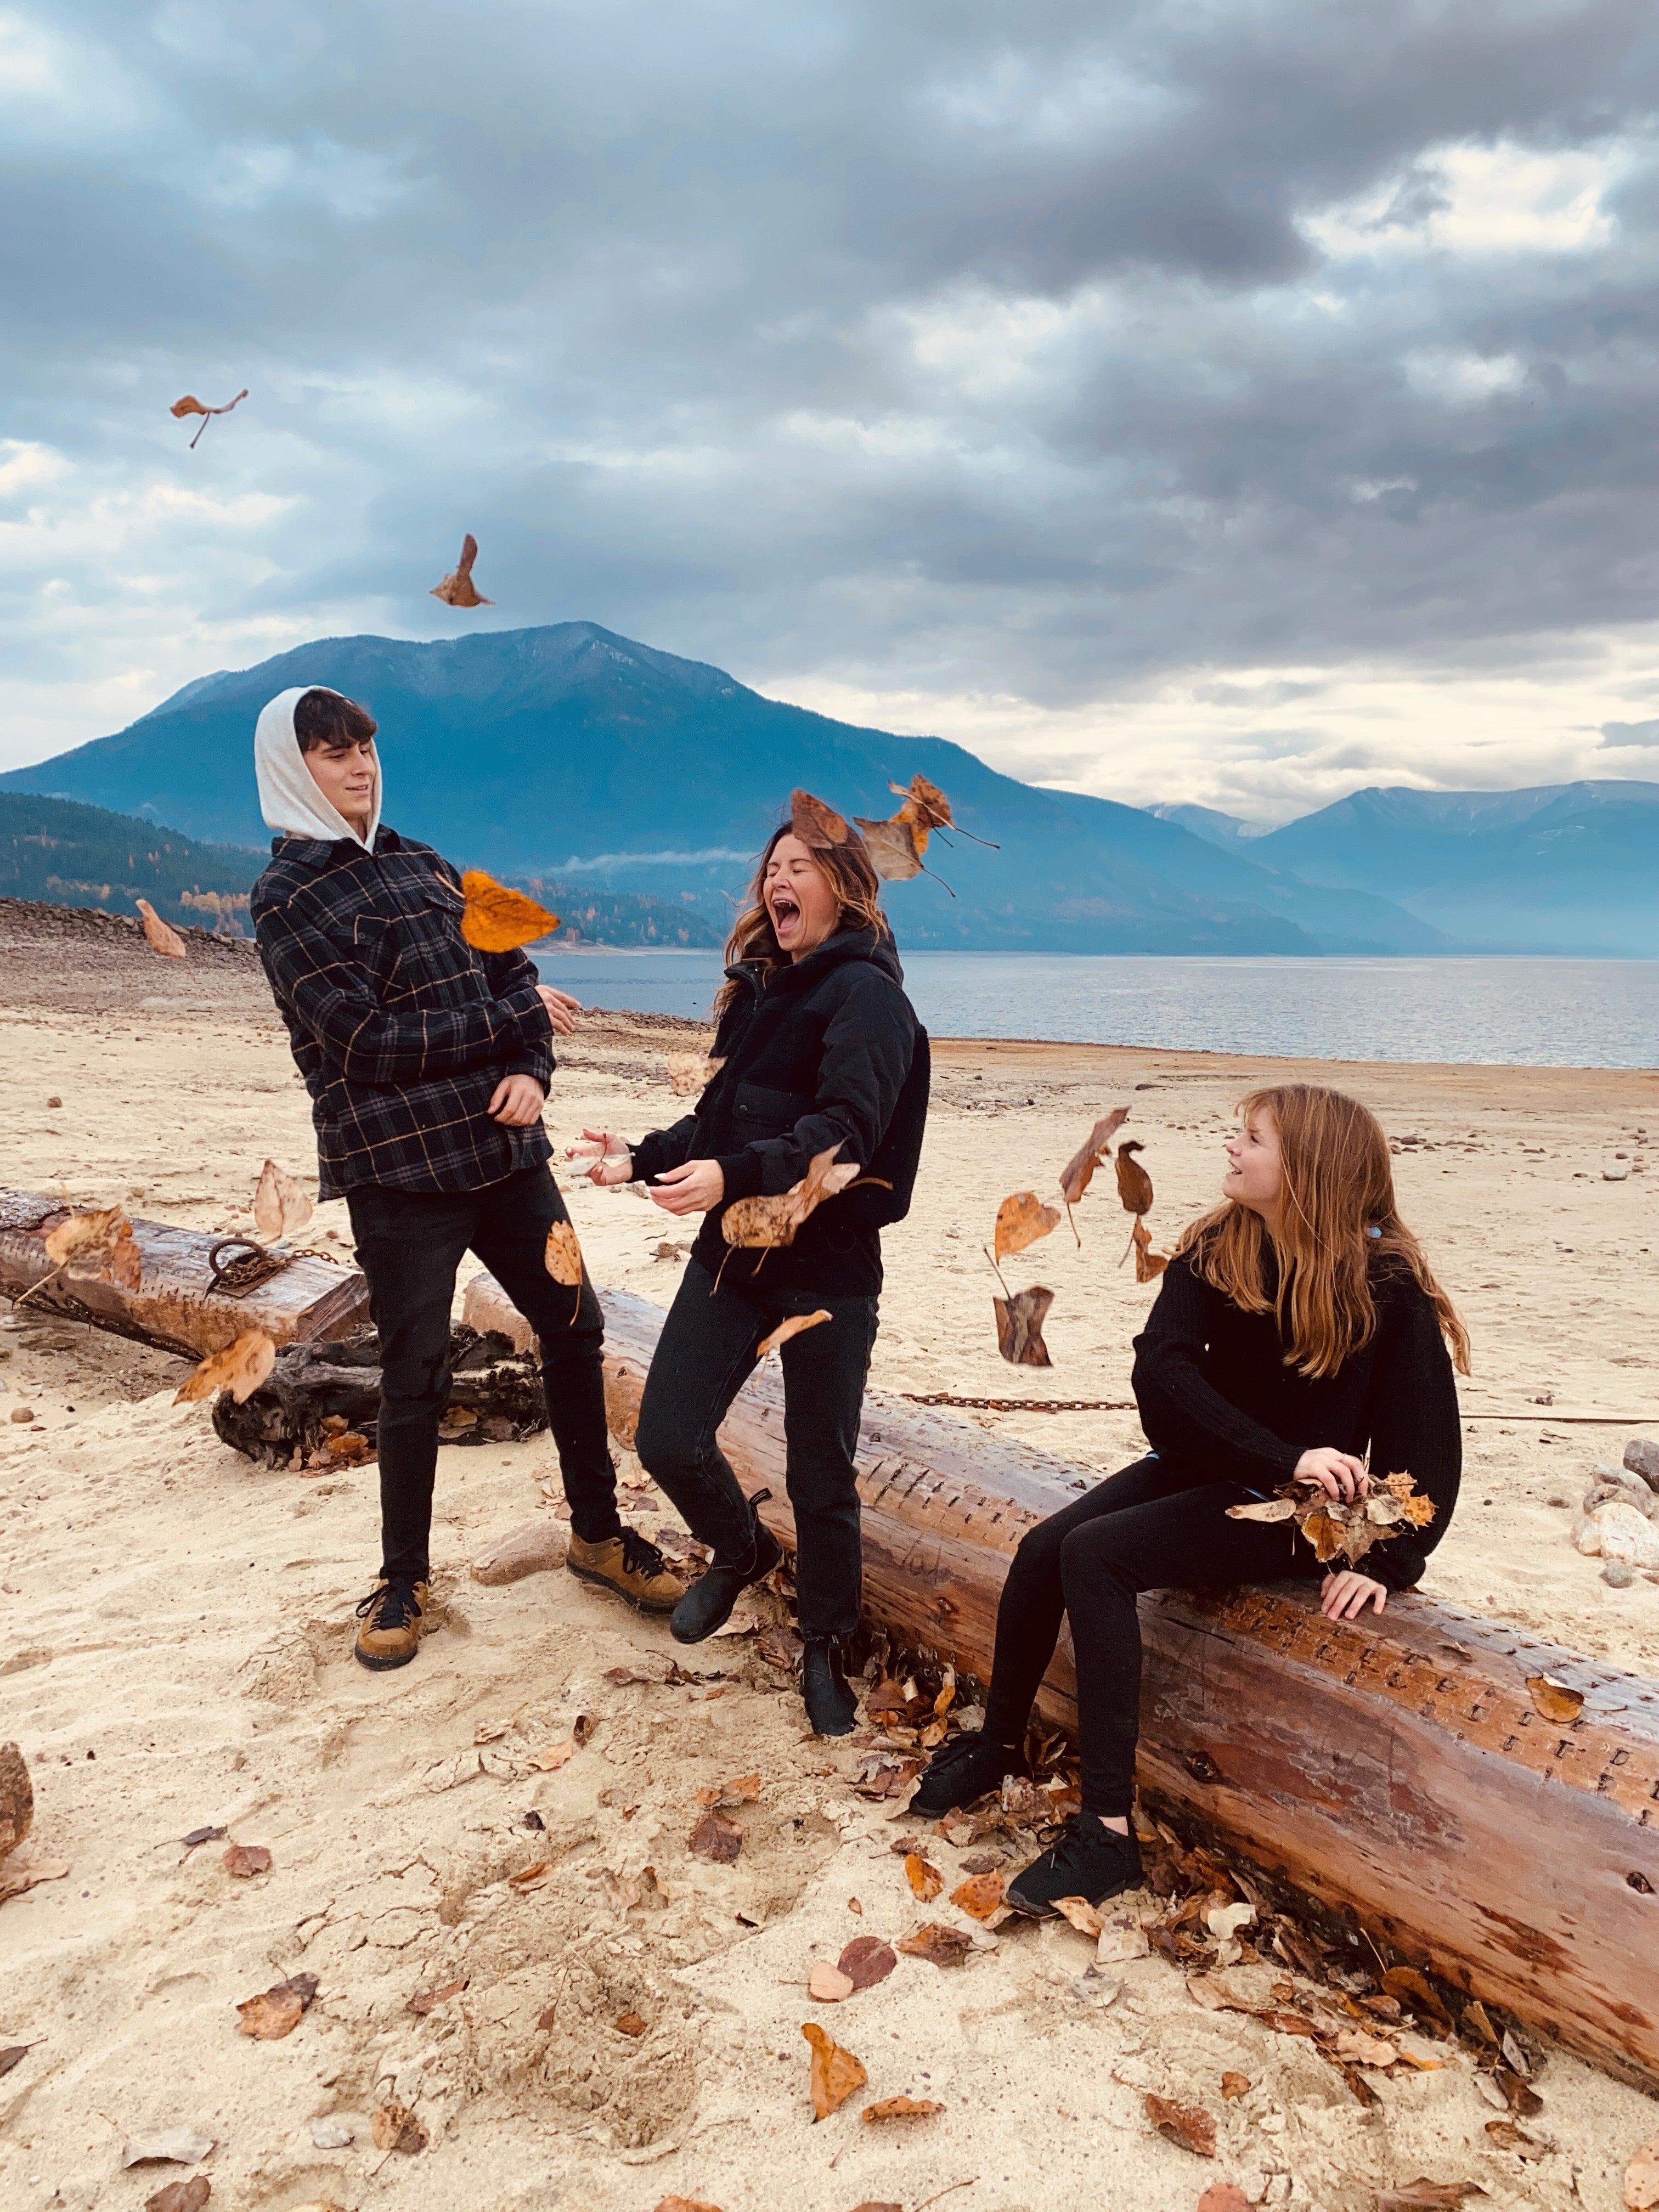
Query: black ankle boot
point(707, 1603)
point(831, 1708)
point(967, 1767)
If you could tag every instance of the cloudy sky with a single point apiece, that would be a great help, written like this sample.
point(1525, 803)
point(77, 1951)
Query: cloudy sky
point(1234, 400)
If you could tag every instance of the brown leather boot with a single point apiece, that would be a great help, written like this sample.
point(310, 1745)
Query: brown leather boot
point(393, 1617)
point(628, 1565)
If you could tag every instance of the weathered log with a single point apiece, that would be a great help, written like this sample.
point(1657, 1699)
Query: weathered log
point(174, 1305)
point(1398, 1773)
point(321, 1404)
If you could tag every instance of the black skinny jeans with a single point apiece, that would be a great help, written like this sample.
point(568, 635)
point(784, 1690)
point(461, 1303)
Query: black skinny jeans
point(1148, 1527)
point(409, 1244)
point(704, 1356)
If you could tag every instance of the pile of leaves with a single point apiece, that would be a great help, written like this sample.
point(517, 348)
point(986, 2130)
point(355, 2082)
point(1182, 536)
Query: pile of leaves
point(1338, 1529)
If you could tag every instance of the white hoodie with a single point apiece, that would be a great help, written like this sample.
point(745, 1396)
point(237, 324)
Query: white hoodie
point(289, 798)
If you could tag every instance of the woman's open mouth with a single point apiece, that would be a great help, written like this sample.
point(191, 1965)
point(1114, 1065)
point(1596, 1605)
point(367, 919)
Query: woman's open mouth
point(785, 912)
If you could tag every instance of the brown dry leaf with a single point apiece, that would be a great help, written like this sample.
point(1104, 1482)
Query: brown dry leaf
point(14, 2055)
point(1358, 2049)
point(944, 1947)
point(563, 1256)
point(790, 1326)
point(1078, 1171)
point(1234, 2086)
point(240, 1368)
point(763, 1224)
point(189, 404)
point(866, 1962)
point(89, 1239)
point(1267, 1509)
point(980, 1896)
point(394, 2127)
point(126, 1267)
point(1414, 1992)
point(180, 2196)
point(1555, 1700)
point(690, 1072)
point(427, 2000)
point(925, 1880)
point(827, 1985)
point(926, 808)
point(835, 2072)
point(1134, 1185)
point(1084, 1916)
point(1224, 2196)
point(277, 2011)
point(1189, 2125)
point(247, 1860)
point(458, 590)
point(741, 1789)
point(498, 919)
point(630, 2023)
point(1149, 1265)
point(280, 1202)
point(1021, 1220)
point(715, 1838)
point(1019, 1327)
point(530, 1877)
point(685, 2205)
point(1641, 2176)
point(894, 848)
point(814, 822)
point(552, 1756)
point(158, 935)
point(1425, 2196)
point(901, 2108)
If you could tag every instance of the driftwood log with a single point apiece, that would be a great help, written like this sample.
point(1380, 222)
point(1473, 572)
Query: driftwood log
point(174, 1305)
point(321, 1404)
point(1396, 1774)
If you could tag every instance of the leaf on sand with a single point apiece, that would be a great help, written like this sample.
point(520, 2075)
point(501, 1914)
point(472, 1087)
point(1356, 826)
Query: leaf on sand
point(166, 2146)
point(458, 588)
point(427, 2000)
point(901, 2108)
point(980, 1896)
point(925, 1880)
point(280, 1202)
point(765, 1224)
point(277, 2011)
point(895, 852)
point(1149, 1265)
point(1641, 2175)
point(827, 1985)
point(1134, 1185)
point(158, 935)
point(866, 1960)
point(1425, 2196)
point(1019, 1327)
point(1555, 1700)
point(1234, 2086)
point(189, 404)
point(1414, 1992)
point(715, 1838)
point(239, 1368)
point(1224, 2196)
point(814, 822)
point(1021, 1220)
point(394, 2127)
point(180, 2196)
point(498, 919)
point(944, 1947)
point(1083, 1916)
point(835, 2072)
point(1189, 2125)
point(685, 2205)
point(14, 2055)
point(790, 1326)
point(247, 1860)
point(741, 1789)
point(563, 1256)
point(552, 1756)
point(631, 2023)
point(1078, 1171)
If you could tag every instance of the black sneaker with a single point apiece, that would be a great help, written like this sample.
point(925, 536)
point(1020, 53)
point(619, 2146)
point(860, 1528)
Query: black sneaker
point(831, 1708)
point(1086, 1859)
point(967, 1767)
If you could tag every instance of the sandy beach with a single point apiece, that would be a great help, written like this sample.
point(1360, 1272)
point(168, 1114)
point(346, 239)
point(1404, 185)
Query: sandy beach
point(175, 1655)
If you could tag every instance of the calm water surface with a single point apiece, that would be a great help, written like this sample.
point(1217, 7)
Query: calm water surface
point(1542, 1014)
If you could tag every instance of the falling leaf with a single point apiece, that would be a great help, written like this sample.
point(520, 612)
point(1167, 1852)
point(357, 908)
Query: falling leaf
point(944, 1947)
point(742, 1789)
point(88, 1238)
point(1083, 1916)
point(1425, 2196)
point(835, 2072)
point(901, 2108)
point(1134, 1185)
point(394, 2127)
point(280, 1202)
point(126, 1265)
point(158, 935)
point(1555, 1700)
point(551, 1757)
point(458, 590)
point(427, 2000)
point(1078, 1171)
point(792, 1326)
point(715, 1838)
point(247, 1860)
point(1234, 2086)
point(814, 822)
point(277, 2011)
point(893, 846)
point(1021, 1220)
point(563, 1256)
point(980, 1896)
point(866, 1962)
point(1149, 1265)
point(765, 1224)
point(191, 406)
point(1019, 1327)
point(166, 2146)
point(1641, 2177)
point(630, 2023)
point(925, 1880)
point(1224, 2196)
point(180, 2196)
point(689, 1072)
point(240, 1368)
point(827, 1985)
point(497, 920)
point(1189, 2125)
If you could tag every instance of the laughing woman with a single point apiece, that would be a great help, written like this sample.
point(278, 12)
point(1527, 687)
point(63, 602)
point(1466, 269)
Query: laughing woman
point(1298, 1328)
point(816, 1048)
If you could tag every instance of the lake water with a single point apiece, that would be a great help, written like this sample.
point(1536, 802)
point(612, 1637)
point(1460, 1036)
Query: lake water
point(1542, 1013)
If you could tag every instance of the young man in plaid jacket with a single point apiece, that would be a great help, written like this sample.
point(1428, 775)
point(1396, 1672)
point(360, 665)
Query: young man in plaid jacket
point(427, 1065)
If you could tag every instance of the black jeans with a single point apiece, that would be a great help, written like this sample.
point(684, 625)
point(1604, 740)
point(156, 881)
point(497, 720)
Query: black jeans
point(703, 1357)
point(409, 1244)
point(1145, 1527)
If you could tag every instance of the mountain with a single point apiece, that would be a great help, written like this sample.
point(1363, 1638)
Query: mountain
point(569, 752)
point(1208, 822)
point(1565, 867)
point(72, 855)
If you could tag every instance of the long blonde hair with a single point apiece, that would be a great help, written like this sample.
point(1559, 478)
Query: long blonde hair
point(1337, 1185)
point(853, 879)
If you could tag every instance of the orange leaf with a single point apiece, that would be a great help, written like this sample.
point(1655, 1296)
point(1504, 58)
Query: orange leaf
point(1189, 2125)
point(894, 847)
point(191, 406)
point(458, 590)
point(159, 935)
point(1556, 1701)
point(944, 1947)
point(1078, 1171)
point(281, 1202)
point(835, 2072)
point(1019, 1327)
point(901, 2108)
point(814, 822)
point(926, 1881)
point(1134, 1185)
point(394, 2127)
point(1021, 1220)
point(1149, 1265)
point(980, 1895)
point(563, 1256)
point(246, 1859)
point(240, 1368)
point(498, 919)
point(790, 1326)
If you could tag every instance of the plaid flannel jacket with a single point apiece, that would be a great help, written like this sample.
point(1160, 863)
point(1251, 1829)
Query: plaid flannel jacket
point(401, 1030)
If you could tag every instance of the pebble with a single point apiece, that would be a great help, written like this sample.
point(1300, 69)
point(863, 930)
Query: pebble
point(22, 1412)
point(331, 2135)
point(1617, 1574)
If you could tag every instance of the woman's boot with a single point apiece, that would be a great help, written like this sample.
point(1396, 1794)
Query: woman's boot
point(707, 1603)
point(831, 1708)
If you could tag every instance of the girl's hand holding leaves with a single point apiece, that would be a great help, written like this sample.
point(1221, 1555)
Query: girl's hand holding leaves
point(1338, 1474)
point(603, 1156)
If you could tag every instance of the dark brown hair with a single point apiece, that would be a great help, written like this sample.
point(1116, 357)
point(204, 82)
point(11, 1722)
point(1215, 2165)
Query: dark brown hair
point(853, 879)
point(1336, 1214)
point(324, 718)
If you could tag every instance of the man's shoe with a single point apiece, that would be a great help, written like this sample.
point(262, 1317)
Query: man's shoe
point(707, 1603)
point(626, 1564)
point(1087, 1860)
point(831, 1708)
point(393, 1617)
point(967, 1767)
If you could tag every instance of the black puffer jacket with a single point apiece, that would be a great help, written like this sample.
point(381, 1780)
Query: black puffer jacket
point(829, 1052)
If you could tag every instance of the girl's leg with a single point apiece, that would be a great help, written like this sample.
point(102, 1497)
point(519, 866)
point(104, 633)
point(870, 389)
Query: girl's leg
point(825, 1371)
point(703, 1357)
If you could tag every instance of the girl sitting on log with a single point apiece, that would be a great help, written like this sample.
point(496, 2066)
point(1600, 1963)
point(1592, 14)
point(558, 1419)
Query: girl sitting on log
point(1298, 1326)
point(817, 1052)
